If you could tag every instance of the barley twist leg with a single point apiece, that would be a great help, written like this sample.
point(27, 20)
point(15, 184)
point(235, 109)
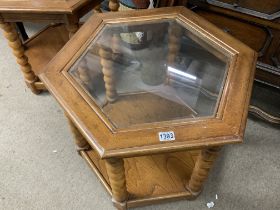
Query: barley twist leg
point(97, 9)
point(80, 141)
point(174, 42)
point(109, 74)
point(72, 29)
point(84, 74)
point(116, 47)
point(116, 173)
point(114, 5)
point(12, 36)
point(201, 170)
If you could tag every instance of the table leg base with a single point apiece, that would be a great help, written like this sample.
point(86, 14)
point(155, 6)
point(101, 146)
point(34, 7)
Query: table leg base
point(195, 194)
point(146, 177)
point(36, 87)
point(32, 86)
point(119, 205)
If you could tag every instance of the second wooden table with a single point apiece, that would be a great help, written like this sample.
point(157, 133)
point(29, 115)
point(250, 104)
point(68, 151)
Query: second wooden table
point(35, 53)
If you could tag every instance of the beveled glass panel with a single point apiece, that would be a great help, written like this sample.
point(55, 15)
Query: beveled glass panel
point(151, 71)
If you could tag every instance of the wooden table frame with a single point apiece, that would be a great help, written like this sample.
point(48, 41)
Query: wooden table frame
point(116, 187)
point(46, 11)
point(119, 155)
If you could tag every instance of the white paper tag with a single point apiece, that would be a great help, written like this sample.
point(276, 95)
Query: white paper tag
point(151, 6)
point(166, 136)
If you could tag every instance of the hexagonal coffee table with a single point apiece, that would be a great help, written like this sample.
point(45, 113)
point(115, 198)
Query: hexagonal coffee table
point(151, 97)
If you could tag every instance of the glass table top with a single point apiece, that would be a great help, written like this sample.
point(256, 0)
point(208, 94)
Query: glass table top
point(151, 71)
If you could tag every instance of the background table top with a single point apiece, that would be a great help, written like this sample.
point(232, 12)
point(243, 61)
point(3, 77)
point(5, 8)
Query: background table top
point(41, 6)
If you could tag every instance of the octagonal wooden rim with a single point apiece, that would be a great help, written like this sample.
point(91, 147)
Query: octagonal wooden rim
point(227, 127)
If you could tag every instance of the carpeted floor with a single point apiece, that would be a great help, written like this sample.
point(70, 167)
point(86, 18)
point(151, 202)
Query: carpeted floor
point(33, 176)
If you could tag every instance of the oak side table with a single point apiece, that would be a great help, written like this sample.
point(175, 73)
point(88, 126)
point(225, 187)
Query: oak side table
point(150, 121)
point(33, 54)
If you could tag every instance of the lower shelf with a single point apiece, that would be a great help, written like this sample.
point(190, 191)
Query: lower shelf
point(44, 45)
point(150, 179)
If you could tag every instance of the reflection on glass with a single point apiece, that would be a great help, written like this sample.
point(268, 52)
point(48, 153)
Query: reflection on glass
point(151, 71)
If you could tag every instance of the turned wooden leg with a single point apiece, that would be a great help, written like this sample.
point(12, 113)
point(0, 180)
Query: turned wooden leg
point(97, 9)
point(116, 173)
point(72, 24)
point(116, 46)
point(13, 38)
point(109, 74)
point(200, 172)
point(72, 28)
point(84, 75)
point(174, 42)
point(80, 141)
point(114, 5)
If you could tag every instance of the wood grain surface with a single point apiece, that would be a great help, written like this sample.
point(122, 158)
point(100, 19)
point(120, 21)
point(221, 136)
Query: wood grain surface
point(42, 6)
point(143, 108)
point(155, 175)
point(44, 46)
point(238, 29)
